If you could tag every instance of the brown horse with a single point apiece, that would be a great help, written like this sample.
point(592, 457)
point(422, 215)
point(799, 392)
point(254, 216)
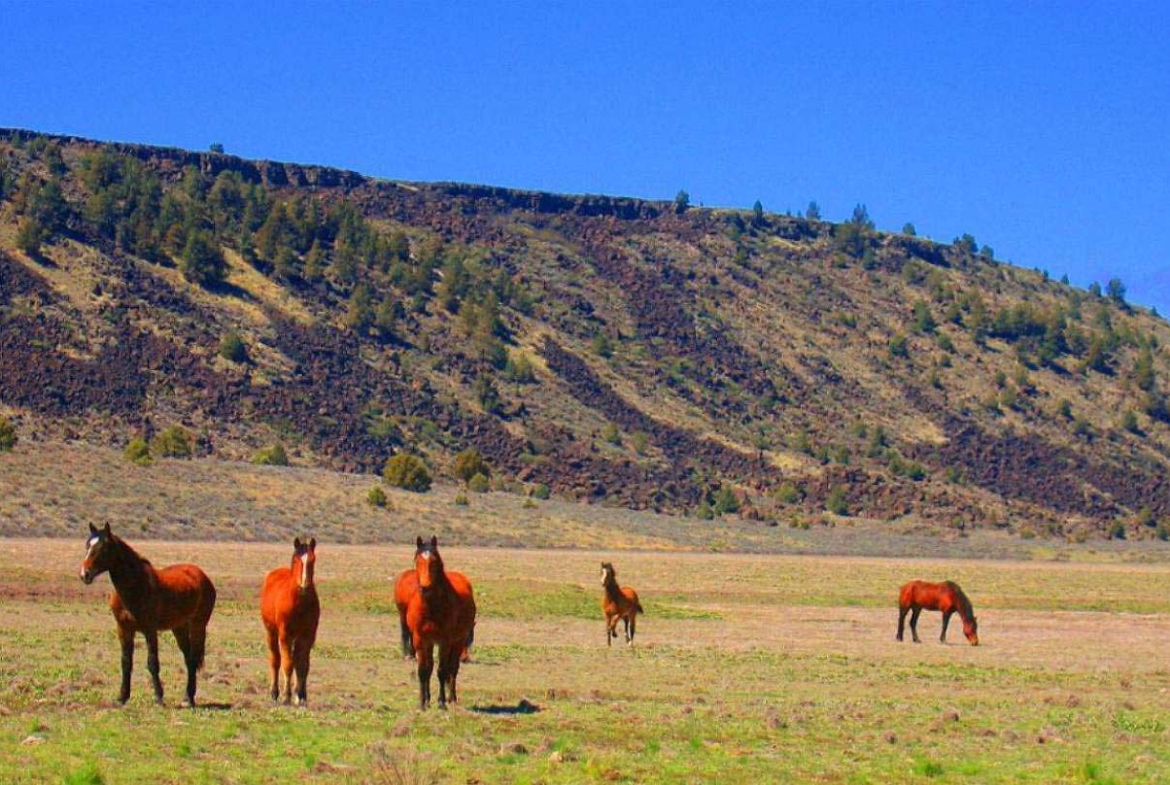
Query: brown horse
point(946, 597)
point(405, 587)
point(290, 611)
point(618, 603)
point(179, 598)
point(441, 612)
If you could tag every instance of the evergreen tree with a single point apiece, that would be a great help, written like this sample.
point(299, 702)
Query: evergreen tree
point(202, 262)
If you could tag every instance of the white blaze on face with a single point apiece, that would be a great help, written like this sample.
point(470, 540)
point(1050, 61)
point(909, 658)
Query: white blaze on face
point(304, 568)
point(90, 548)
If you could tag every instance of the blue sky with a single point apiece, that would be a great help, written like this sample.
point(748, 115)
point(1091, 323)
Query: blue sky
point(1040, 128)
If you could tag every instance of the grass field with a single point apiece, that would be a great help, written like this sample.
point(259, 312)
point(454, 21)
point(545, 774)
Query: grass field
point(748, 668)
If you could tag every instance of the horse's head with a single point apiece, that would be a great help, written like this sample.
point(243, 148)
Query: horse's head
point(97, 553)
point(607, 573)
point(427, 562)
point(971, 630)
point(306, 554)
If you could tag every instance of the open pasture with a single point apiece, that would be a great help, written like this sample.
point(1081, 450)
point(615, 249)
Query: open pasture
point(747, 668)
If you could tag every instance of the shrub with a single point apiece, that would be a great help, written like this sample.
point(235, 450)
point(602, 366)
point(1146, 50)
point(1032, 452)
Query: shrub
point(704, 512)
point(640, 442)
point(469, 463)
point(8, 437)
point(788, 493)
point(231, 347)
point(271, 456)
point(478, 484)
point(602, 346)
point(611, 434)
point(541, 491)
point(518, 369)
point(898, 346)
point(1129, 421)
point(376, 497)
point(408, 472)
point(1117, 531)
point(725, 501)
point(461, 499)
point(836, 502)
point(1162, 532)
point(138, 452)
point(174, 442)
point(528, 504)
point(682, 201)
point(29, 236)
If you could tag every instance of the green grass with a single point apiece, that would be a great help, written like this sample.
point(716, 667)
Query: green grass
point(738, 684)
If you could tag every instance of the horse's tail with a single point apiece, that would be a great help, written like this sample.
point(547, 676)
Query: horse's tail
point(470, 636)
point(199, 639)
point(407, 639)
point(638, 607)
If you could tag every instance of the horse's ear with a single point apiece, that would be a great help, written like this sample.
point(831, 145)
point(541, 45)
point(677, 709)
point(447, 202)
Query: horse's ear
point(107, 529)
point(434, 541)
point(418, 543)
point(312, 543)
point(92, 529)
point(297, 543)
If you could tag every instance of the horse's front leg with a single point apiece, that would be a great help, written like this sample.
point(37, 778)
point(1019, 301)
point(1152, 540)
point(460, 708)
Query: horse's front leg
point(426, 665)
point(274, 663)
point(626, 627)
point(946, 620)
point(152, 663)
point(914, 624)
point(610, 629)
point(902, 621)
point(126, 638)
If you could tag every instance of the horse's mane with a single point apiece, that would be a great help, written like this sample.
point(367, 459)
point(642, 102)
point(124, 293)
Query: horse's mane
point(965, 609)
point(125, 547)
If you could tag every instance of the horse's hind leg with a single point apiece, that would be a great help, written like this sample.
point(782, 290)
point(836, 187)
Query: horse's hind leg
point(407, 641)
point(183, 638)
point(152, 663)
point(946, 620)
point(633, 627)
point(448, 667)
point(902, 620)
point(126, 637)
point(914, 624)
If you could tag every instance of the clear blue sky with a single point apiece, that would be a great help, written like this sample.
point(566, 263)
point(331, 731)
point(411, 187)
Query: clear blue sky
point(1043, 129)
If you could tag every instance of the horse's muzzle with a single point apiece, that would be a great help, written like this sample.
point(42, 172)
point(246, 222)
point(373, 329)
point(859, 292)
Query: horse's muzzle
point(86, 576)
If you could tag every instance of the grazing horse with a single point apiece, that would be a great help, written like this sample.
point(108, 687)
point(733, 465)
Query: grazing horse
point(618, 603)
point(405, 587)
point(441, 611)
point(290, 611)
point(946, 597)
point(179, 598)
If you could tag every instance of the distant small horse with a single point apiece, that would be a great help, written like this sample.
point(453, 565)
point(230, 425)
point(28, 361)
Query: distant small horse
point(405, 587)
point(618, 603)
point(179, 598)
point(946, 597)
point(441, 611)
point(290, 611)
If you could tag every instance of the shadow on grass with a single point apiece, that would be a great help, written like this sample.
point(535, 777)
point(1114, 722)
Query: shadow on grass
point(525, 706)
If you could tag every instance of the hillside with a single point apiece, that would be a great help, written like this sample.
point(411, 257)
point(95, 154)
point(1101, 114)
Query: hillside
point(619, 351)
